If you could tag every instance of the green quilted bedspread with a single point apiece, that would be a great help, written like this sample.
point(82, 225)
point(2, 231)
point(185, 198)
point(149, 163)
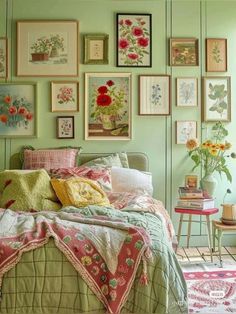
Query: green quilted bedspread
point(44, 281)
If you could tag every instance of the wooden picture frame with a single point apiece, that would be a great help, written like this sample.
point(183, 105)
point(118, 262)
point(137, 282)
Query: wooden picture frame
point(18, 110)
point(186, 91)
point(108, 106)
point(154, 95)
point(216, 99)
point(191, 181)
point(133, 40)
point(184, 52)
point(216, 54)
point(185, 130)
point(3, 58)
point(65, 127)
point(96, 48)
point(47, 48)
point(64, 96)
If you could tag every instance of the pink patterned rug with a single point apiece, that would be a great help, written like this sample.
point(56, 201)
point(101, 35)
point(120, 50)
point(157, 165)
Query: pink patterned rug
point(211, 291)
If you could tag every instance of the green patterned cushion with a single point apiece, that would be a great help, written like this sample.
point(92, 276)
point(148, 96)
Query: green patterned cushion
point(113, 160)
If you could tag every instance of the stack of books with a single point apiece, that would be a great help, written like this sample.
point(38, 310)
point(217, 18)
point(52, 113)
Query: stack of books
point(192, 198)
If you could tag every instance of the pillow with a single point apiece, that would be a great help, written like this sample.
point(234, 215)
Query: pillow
point(50, 158)
point(117, 160)
point(101, 175)
point(131, 180)
point(79, 192)
point(27, 191)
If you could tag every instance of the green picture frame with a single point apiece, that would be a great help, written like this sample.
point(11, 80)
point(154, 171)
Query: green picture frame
point(96, 48)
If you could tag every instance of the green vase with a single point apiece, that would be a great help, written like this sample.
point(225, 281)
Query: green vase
point(209, 184)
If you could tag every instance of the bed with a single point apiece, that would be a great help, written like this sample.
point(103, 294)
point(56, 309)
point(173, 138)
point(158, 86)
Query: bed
point(47, 279)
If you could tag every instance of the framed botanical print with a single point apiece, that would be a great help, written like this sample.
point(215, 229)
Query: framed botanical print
point(186, 92)
point(64, 96)
point(65, 127)
point(216, 98)
point(107, 106)
point(3, 58)
point(183, 51)
point(18, 110)
point(154, 95)
point(185, 130)
point(96, 48)
point(216, 54)
point(47, 48)
point(134, 40)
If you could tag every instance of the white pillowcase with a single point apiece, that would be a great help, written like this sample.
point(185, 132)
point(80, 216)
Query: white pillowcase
point(131, 180)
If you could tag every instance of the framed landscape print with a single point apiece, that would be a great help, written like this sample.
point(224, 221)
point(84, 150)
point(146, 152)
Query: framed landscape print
point(183, 51)
point(47, 48)
point(186, 92)
point(3, 58)
point(216, 99)
point(96, 48)
point(18, 110)
point(134, 40)
point(107, 106)
point(65, 127)
point(185, 130)
point(154, 95)
point(216, 54)
point(64, 96)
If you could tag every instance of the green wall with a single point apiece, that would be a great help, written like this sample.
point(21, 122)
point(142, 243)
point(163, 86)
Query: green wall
point(153, 135)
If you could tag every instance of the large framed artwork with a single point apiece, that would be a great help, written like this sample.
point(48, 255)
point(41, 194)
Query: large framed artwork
point(47, 48)
point(216, 99)
point(134, 40)
point(185, 130)
point(18, 110)
point(3, 58)
point(186, 92)
point(216, 54)
point(154, 95)
point(64, 96)
point(108, 106)
point(183, 51)
point(96, 48)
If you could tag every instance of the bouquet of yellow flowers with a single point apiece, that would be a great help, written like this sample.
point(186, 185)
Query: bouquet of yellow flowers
point(211, 155)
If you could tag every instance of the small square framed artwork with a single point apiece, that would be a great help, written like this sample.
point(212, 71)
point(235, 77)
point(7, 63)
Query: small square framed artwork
point(185, 130)
point(216, 55)
point(64, 96)
point(3, 58)
point(96, 48)
point(191, 181)
point(186, 91)
point(65, 127)
point(134, 40)
point(183, 51)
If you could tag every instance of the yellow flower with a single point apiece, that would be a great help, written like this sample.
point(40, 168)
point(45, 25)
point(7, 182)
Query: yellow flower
point(86, 260)
point(213, 152)
point(227, 145)
point(192, 144)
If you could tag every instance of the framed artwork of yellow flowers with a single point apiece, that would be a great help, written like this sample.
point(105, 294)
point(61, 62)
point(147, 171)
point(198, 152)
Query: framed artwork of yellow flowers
point(18, 110)
point(134, 40)
point(107, 106)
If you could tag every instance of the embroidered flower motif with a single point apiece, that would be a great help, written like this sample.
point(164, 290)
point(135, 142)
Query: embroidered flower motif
point(113, 283)
point(104, 289)
point(88, 248)
point(86, 260)
point(128, 239)
point(103, 278)
point(139, 244)
point(95, 270)
point(104, 267)
point(113, 295)
point(67, 239)
point(129, 262)
point(123, 269)
point(97, 258)
point(79, 236)
point(121, 281)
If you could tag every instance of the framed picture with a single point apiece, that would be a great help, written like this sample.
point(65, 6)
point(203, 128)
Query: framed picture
point(185, 130)
point(64, 96)
point(154, 95)
point(134, 40)
point(216, 54)
point(96, 48)
point(3, 58)
point(186, 92)
point(47, 48)
point(107, 106)
point(183, 51)
point(191, 181)
point(216, 99)
point(18, 110)
point(65, 127)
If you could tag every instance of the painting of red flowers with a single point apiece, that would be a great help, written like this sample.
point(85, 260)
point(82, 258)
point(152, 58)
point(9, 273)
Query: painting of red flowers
point(183, 51)
point(107, 106)
point(18, 110)
point(134, 46)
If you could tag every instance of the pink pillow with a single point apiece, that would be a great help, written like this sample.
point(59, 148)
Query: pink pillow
point(97, 173)
point(50, 158)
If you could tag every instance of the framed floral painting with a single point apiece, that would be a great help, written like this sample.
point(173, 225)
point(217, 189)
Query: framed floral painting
point(154, 95)
point(186, 92)
point(185, 130)
point(18, 110)
point(65, 127)
point(3, 58)
point(64, 96)
point(183, 51)
point(134, 40)
point(216, 99)
point(47, 48)
point(107, 106)
point(216, 54)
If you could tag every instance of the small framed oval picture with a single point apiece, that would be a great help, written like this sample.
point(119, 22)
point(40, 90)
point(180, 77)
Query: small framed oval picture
point(64, 96)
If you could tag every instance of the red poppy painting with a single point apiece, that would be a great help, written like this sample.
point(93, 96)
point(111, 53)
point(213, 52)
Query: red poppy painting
point(134, 40)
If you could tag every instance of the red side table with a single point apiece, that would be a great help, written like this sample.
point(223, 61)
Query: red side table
point(206, 212)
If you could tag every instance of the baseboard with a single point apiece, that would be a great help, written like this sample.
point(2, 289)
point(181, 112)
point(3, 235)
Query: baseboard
point(201, 240)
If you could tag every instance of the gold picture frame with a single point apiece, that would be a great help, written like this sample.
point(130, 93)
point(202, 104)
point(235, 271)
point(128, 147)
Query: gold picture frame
point(216, 54)
point(184, 52)
point(96, 48)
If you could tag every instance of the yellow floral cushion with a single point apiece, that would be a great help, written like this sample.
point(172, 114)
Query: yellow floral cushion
point(79, 192)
